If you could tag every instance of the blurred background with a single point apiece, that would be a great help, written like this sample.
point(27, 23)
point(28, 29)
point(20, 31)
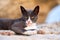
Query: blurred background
point(11, 8)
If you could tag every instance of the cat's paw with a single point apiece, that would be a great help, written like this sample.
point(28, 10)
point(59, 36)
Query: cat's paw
point(6, 32)
point(30, 32)
point(40, 32)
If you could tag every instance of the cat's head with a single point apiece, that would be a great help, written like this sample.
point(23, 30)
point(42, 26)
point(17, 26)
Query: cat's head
point(30, 16)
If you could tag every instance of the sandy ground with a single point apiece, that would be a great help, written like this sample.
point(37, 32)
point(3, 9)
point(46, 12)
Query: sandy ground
point(33, 37)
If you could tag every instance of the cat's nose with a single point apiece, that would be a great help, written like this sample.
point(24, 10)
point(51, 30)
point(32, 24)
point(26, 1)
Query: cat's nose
point(28, 22)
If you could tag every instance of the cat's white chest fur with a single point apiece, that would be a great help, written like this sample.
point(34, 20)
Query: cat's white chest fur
point(29, 31)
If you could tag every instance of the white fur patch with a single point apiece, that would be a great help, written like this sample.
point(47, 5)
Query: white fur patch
point(30, 32)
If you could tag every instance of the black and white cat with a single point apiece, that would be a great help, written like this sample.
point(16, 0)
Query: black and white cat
point(31, 17)
point(24, 24)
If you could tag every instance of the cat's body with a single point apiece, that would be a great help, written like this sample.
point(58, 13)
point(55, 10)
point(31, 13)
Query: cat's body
point(6, 23)
point(25, 23)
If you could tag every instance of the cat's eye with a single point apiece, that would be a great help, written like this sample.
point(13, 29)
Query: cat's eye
point(32, 17)
point(25, 17)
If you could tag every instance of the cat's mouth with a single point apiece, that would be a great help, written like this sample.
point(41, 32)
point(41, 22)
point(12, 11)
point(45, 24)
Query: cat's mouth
point(29, 23)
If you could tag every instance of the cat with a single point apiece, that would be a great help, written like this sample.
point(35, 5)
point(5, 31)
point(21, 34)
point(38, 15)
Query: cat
point(26, 23)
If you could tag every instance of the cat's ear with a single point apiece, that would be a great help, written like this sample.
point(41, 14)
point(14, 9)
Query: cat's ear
point(24, 12)
point(36, 10)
